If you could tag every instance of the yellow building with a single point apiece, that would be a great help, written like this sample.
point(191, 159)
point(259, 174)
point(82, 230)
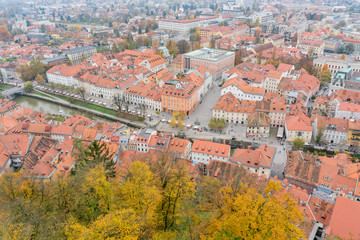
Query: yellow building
point(353, 138)
point(298, 126)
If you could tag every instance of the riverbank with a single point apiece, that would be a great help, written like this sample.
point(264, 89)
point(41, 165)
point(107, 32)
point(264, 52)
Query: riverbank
point(65, 103)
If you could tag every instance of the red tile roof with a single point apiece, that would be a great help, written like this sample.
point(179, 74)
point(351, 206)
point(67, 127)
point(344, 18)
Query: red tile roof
point(255, 158)
point(178, 145)
point(211, 148)
point(298, 123)
point(345, 219)
point(283, 67)
point(229, 103)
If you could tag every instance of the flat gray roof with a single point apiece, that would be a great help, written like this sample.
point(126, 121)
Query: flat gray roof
point(209, 54)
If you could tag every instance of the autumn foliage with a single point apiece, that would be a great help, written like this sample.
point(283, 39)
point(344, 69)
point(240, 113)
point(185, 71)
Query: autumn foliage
point(154, 197)
point(4, 33)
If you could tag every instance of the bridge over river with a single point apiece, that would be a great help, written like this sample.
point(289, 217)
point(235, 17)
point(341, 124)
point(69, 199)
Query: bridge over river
point(11, 93)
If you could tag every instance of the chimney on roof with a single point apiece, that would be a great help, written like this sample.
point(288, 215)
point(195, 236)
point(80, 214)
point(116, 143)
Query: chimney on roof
point(249, 148)
point(265, 148)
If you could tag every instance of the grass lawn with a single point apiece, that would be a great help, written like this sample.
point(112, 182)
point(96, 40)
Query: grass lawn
point(95, 107)
point(59, 118)
point(4, 86)
point(59, 96)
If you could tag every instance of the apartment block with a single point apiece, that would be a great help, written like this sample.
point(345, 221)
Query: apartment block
point(215, 60)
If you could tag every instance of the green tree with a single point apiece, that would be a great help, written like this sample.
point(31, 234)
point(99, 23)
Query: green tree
point(171, 46)
point(96, 153)
point(257, 22)
point(28, 86)
point(30, 71)
point(298, 143)
point(319, 135)
point(217, 123)
point(115, 48)
point(94, 196)
point(183, 46)
point(349, 48)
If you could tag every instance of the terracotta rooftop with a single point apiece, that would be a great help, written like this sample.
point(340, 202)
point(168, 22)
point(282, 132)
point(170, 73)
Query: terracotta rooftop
point(211, 148)
point(261, 157)
point(303, 167)
point(178, 145)
point(229, 103)
point(345, 219)
point(298, 123)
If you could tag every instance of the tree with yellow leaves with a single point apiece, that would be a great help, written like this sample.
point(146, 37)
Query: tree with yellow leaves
point(250, 214)
point(4, 33)
point(173, 121)
point(78, 28)
point(40, 79)
point(152, 197)
point(120, 224)
point(176, 188)
point(94, 195)
point(196, 46)
point(140, 192)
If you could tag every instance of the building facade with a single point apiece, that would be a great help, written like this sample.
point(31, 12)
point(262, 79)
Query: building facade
point(215, 60)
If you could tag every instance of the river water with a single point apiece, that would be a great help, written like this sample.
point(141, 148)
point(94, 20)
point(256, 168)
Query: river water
point(52, 108)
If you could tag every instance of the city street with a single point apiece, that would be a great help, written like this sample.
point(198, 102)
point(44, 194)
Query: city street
point(203, 112)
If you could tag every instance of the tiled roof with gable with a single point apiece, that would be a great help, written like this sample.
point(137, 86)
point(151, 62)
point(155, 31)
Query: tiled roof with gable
point(298, 123)
point(211, 148)
point(334, 124)
point(263, 156)
point(303, 167)
point(67, 71)
point(243, 86)
point(178, 145)
point(229, 103)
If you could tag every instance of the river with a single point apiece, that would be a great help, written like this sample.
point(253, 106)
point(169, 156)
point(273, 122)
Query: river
point(51, 108)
